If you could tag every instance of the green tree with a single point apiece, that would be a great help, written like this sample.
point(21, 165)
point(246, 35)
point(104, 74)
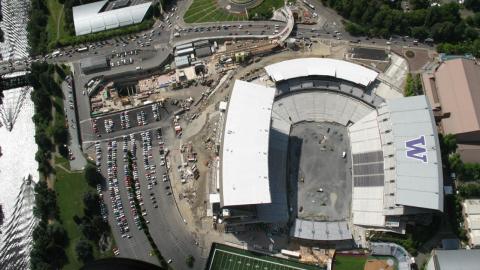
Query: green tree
point(91, 200)
point(45, 202)
point(84, 251)
point(448, 143)
point(92, 176)
point(419, 32)
point(455, 163)
point(190, 261)
point(472, 4)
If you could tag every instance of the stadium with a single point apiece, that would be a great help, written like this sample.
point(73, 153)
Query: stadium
point(309, 144)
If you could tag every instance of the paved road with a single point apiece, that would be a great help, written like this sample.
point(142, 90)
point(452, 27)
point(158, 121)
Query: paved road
point(79, 162)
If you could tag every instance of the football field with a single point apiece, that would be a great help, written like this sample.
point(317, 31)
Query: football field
point(235, 259)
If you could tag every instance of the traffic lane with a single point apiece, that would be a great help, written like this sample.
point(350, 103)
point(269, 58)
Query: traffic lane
point(107, 49)
point(82, 101)
point(165, 224)
point(306, 31)
point(212, 34)
point(172, 237)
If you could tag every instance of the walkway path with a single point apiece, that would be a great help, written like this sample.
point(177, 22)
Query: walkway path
point(58, 22)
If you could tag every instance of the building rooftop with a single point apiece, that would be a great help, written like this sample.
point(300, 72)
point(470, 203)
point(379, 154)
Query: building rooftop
point(472, 206)
point(412, 152)
point(245, 177)
point(461, 259)
point(457, 88)
point(89, 18)
point(304, 67)
point(95, 62)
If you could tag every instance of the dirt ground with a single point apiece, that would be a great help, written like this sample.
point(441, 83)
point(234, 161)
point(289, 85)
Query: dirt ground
point(374, 264)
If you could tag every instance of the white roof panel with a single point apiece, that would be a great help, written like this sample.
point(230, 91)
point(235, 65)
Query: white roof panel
point(245, 145)
point(472, 206)
point(88, 18)
point(321, 67)
point(367, 206)
point(418, 166)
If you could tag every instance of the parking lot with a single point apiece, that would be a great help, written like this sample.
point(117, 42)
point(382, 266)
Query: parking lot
point(145, 180)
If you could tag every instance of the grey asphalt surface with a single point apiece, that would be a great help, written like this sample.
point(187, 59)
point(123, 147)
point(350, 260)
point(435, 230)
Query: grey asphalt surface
point(165, 222)
point(79, 162)
point(315, 150)
point(137, 246)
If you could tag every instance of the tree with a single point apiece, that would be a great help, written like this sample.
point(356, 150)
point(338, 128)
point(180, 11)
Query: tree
point(91, 201)
point(469, 190)
point(84, 251)
point(455, 163)
point(57, 233)
point(472, 4)
point(413, 85)
point(92, 176)
point(354, 29)
point(190, 261)
point(419, 32)
point(448, 143)
point(45, 201)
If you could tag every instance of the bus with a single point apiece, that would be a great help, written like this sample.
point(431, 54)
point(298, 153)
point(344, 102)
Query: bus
point(82, 49)
point(55, 53)
point(90, 83)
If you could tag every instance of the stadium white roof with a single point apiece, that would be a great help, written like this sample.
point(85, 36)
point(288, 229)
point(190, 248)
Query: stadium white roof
point(397, 142)
point(416, 149)
point(321, 67)
point(245, 178)
point(88, 18)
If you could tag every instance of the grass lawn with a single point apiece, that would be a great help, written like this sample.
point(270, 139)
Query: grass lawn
point(59, 160)
point(345, 262)
point(208, 11)
point(56, 21)
point(70, 188)
point(265, 7)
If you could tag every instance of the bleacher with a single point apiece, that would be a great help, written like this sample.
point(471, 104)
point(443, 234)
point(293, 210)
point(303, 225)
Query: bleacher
point(390, 249)
point(316, 83)
point(318, 106)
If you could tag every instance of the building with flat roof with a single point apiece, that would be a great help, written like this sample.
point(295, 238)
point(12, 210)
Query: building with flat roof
point(245, 145)
point(471, 212)
point(461, 259)
point(453, 91)
point(91, 18)
point(94, 63)
point(203, 52)
point(182, 61)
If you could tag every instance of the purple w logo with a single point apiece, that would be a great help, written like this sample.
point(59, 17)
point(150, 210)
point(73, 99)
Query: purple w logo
point(416, 149)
